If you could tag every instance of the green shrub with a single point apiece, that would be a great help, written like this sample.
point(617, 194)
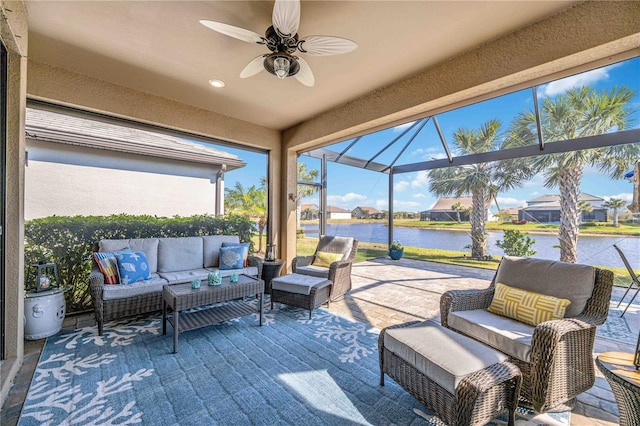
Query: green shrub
point(516, 243)
point(68, 242)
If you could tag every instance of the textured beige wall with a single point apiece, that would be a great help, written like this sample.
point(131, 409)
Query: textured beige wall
point(13, 24)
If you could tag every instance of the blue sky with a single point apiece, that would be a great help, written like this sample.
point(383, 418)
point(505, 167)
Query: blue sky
point(349, 187)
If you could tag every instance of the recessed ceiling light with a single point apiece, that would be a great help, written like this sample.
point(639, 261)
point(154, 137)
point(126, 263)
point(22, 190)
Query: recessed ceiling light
point(216, 83)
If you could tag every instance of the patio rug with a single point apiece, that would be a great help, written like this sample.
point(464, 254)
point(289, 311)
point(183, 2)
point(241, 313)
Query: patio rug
point(290, 371)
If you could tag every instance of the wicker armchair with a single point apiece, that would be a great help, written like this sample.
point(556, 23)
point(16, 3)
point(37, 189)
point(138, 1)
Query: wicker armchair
point(339, 273)
point(560, 363)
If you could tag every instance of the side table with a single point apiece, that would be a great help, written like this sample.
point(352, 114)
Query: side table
point(270, 270)
point(624, 379)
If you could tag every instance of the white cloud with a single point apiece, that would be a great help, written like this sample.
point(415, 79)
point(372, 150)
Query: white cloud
point(398, 205)
point(401, 186)
point(419, 195)
point(421, 179)
point(506, 202)
point(347, 201)
point(626, 196)
point(560, 86)
point(382, 204)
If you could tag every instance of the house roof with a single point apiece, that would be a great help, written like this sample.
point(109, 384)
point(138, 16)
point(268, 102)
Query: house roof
point(334, 209)
point(67, 129)
point(556, 198)
point(304, 207)
point(369, 210)
point(444, 204)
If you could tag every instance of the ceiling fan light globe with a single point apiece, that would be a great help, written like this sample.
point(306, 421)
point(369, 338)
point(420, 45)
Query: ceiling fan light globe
point(281, 67)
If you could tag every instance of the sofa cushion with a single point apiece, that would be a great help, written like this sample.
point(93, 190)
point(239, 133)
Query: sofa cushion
point(149, 246)
point(526, 306)
point(297, 283)
point(507, 335)
point(180, 254)
point(251, 271)
point(176, 277)
point(132, 267)
point(443, 355)
point(231, 257)
point(108, 265)
point(122, 291)
point(211, 248)
point(558, 279)
point(316, 271)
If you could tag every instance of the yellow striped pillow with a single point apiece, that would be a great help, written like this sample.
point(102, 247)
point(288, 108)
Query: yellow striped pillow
point(526, 306)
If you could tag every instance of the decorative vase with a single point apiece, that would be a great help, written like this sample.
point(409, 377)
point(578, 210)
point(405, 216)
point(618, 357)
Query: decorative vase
point(395, 254)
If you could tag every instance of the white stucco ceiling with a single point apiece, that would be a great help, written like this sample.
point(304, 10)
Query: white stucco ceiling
point(159, 47)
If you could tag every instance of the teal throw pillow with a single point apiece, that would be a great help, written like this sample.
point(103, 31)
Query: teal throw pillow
point(245, 253)
point(231, 257)
point(133, 267)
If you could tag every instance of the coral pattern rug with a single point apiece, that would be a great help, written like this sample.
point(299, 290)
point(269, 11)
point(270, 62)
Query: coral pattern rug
point(292, 370)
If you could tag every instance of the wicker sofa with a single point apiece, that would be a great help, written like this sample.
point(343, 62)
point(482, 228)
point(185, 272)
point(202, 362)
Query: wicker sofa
point(170, 260)
point(556, 356)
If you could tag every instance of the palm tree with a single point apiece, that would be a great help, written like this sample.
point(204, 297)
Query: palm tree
point(305, 190)
point(482, 181)
point(615, 204)
point(456, 208)
point(577, 113)
point(251, 203)
point(585, 207)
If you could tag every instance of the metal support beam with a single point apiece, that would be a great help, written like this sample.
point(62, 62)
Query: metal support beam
point(323, 196)
point(589, 142)
point(538, 123)
point(443, 140)
point(390, 219)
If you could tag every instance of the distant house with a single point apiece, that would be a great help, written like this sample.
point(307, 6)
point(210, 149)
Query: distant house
point(364, 212)
point(442, 211)
point(76, 166)
point(512, 212)
point(309, 212)
point(334, 212)
point(546, 209)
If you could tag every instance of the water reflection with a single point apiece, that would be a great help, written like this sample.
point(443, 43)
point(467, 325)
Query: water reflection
point(592, 250)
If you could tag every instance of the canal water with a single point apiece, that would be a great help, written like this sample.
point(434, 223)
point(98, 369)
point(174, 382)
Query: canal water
point(592, 250)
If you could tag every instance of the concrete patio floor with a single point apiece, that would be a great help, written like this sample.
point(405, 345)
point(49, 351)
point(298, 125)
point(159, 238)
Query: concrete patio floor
point(387, 292)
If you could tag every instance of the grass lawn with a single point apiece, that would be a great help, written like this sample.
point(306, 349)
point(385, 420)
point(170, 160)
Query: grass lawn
point(366, 251)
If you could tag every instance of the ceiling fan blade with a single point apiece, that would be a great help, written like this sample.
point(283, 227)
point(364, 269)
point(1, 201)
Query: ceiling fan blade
point(235, 32)
point(326, 45)
point(254, 67)
point(305, 76)
point(286, 17)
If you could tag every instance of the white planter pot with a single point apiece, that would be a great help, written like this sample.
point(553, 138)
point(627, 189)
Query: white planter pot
point(43, 313)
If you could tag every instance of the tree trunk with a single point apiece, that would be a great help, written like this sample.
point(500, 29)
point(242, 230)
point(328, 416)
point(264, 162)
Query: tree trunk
point(569, 184)
point(477, 219)
point(615, 217)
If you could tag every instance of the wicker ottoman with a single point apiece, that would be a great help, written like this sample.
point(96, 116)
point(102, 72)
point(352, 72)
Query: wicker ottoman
point(463, 381)
point(301, 291)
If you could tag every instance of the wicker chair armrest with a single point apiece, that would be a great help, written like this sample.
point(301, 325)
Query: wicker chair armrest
point(256, 261)
point(552, 341)
point(301, 261)
point(340, 276)
point(96, 279)
point(463, 300)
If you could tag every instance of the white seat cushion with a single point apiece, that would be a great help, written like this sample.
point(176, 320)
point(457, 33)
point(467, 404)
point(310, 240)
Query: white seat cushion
point(185, 276)
point(315, 271)
point(296, 283)
point(505, 334)
point(443, 355)
point(121, 291)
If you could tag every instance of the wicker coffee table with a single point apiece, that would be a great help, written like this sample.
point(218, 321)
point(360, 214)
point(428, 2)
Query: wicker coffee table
point(181, 297)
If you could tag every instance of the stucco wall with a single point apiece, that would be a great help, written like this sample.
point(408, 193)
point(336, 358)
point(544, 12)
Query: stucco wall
point(67, 180)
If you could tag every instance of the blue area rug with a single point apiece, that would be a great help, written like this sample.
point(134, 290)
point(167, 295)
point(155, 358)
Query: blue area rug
point(622, 329)
point(290, 371)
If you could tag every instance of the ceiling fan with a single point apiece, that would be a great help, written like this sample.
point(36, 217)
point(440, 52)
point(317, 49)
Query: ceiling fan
point(282, 40)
